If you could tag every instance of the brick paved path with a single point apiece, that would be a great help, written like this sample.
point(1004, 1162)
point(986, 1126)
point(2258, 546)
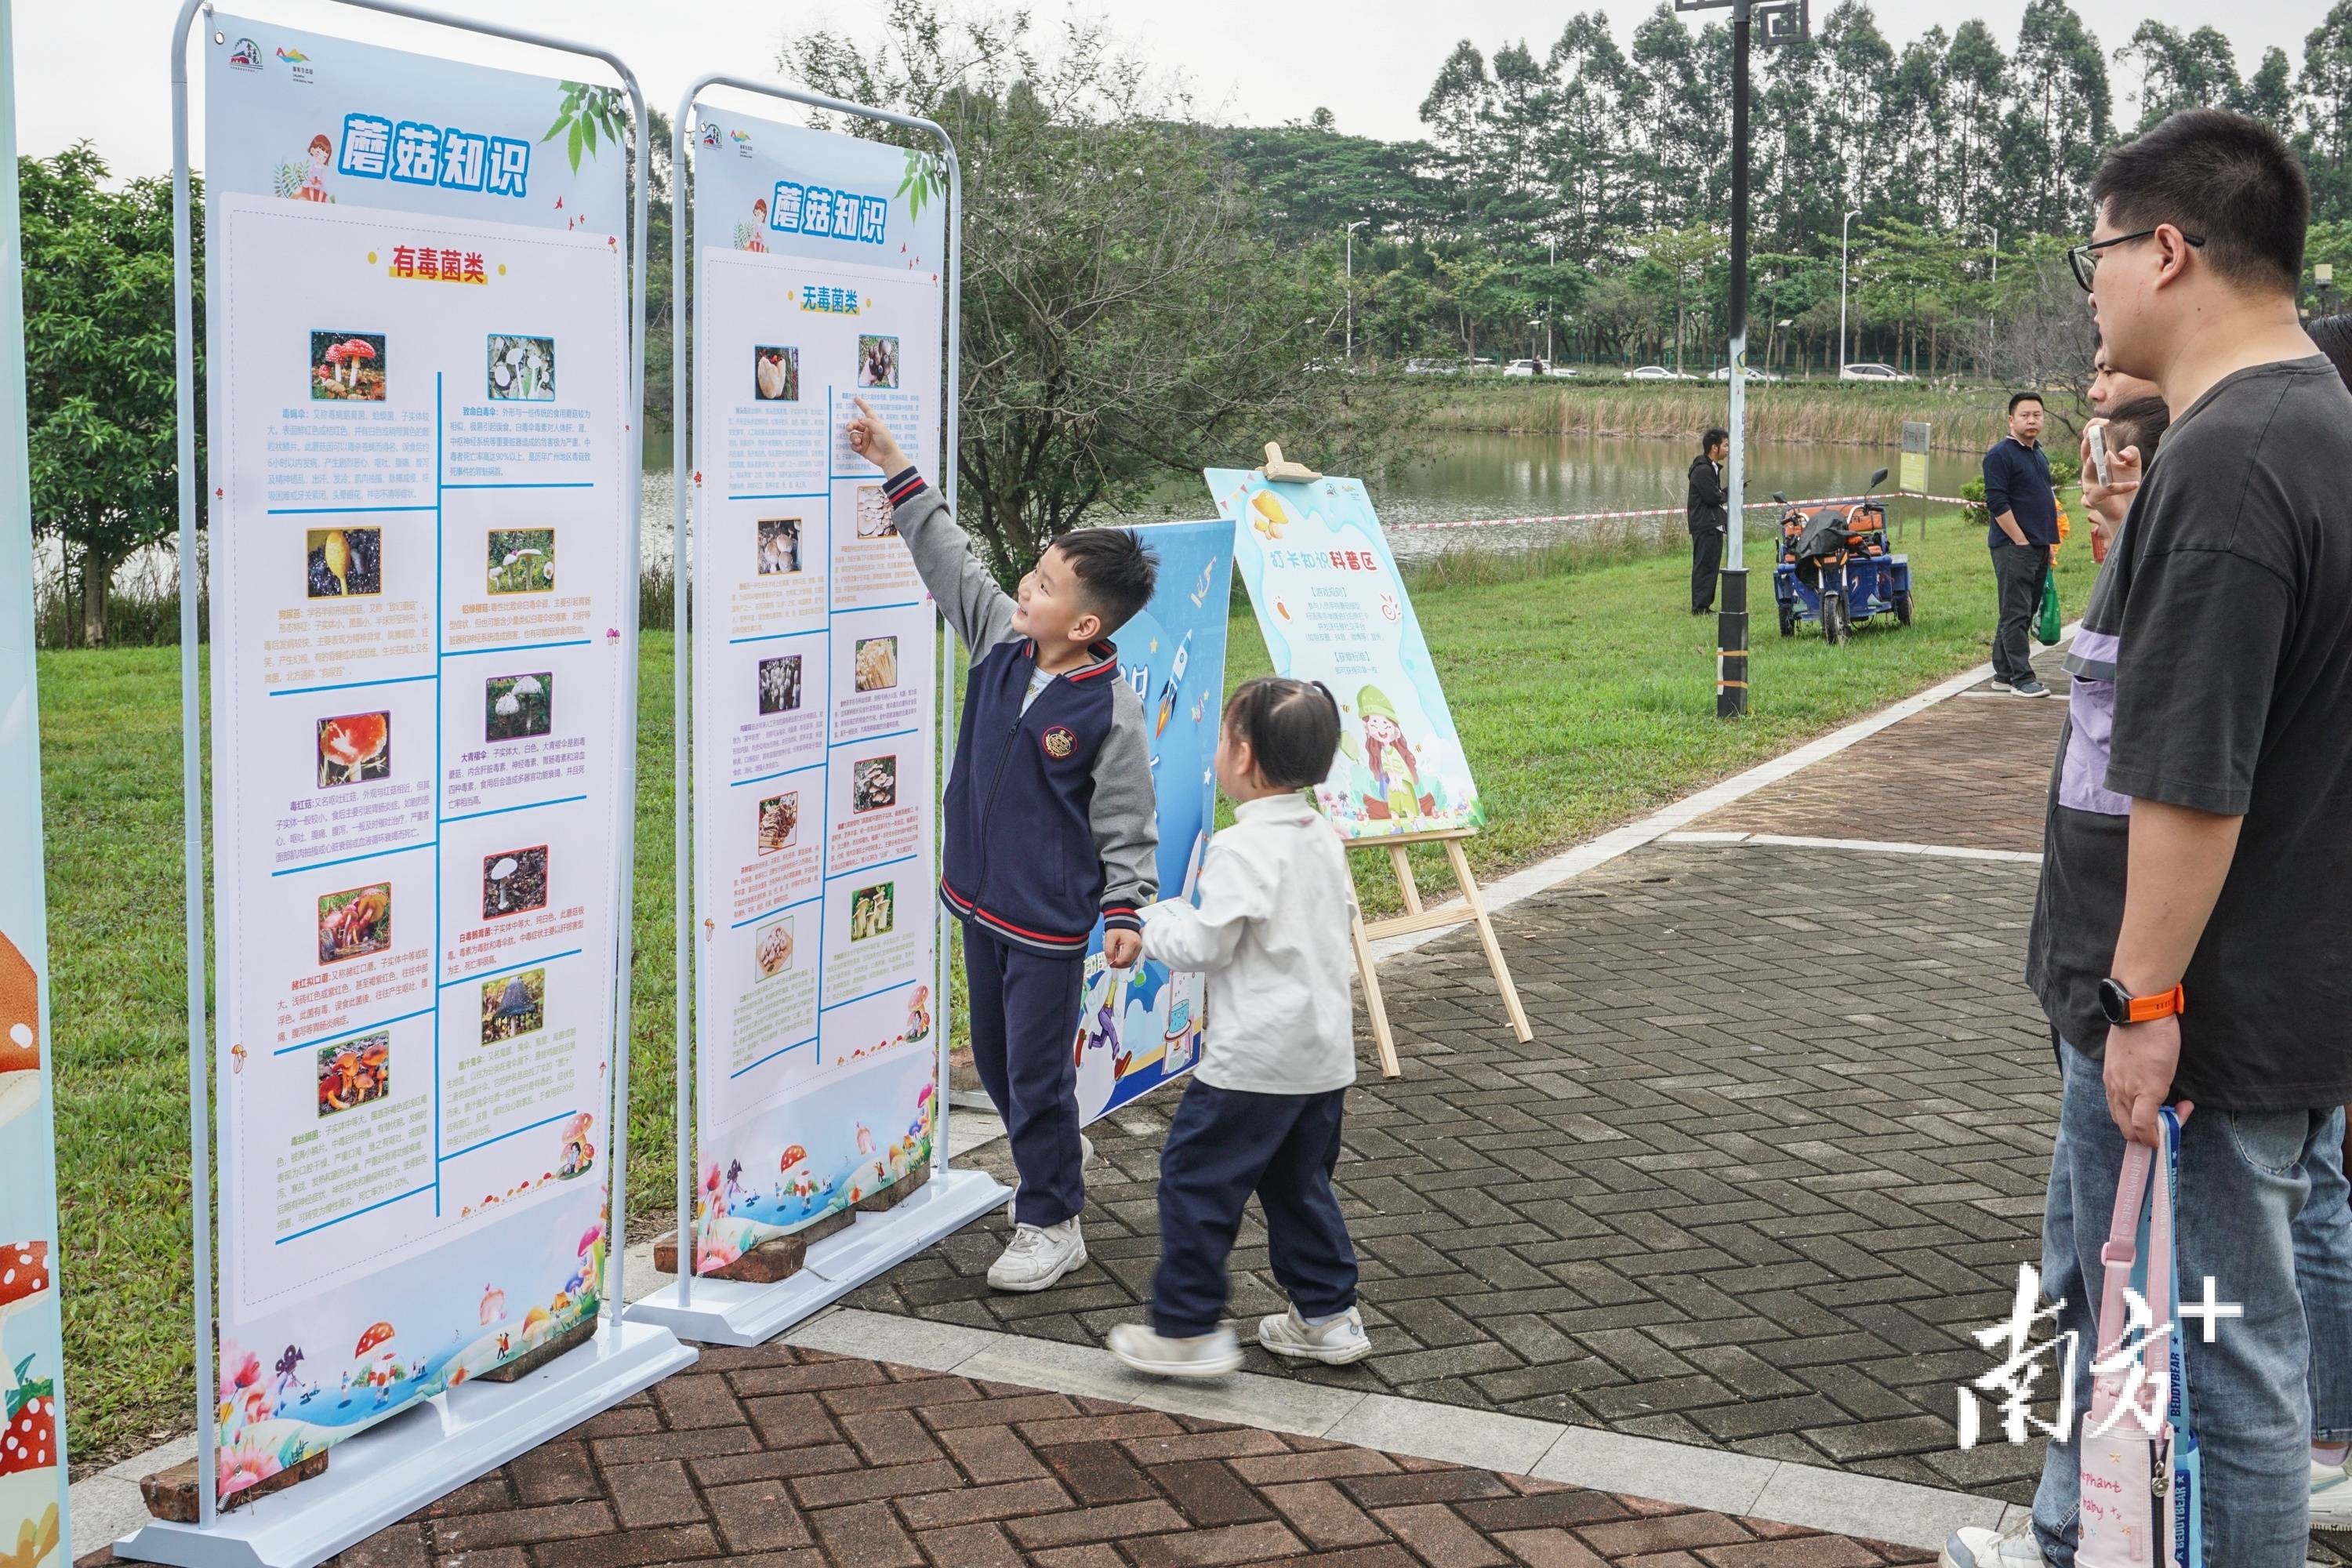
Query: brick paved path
point(1780, 1139)
point(1971, 772)
point(786, 1457)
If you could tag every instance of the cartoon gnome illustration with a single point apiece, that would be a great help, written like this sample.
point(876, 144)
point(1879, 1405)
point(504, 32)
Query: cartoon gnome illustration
point(1387, 756)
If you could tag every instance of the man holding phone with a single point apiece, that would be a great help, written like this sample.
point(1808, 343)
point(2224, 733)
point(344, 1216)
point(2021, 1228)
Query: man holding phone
point(2023, 505)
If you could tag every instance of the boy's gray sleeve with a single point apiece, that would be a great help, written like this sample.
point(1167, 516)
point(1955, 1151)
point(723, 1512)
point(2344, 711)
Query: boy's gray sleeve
point(977, 610)
point(1126, 815)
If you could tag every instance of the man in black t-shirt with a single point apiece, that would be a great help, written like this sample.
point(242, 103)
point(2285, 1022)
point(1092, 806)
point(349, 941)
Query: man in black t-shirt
point(2196, 900)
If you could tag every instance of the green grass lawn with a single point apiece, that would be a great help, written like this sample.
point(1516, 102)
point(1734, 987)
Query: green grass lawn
point(1585, 696)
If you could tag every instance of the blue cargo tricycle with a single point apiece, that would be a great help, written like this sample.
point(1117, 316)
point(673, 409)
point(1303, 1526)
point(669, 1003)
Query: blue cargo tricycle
point(1833, 566)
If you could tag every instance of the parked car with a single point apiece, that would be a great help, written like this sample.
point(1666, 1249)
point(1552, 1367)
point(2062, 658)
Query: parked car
point(1655, 372)
point(1431, 367)
point(1524, 367)
point(1872, 372)
point(1486, 364)
point(1722, 372)
point(1563, 372)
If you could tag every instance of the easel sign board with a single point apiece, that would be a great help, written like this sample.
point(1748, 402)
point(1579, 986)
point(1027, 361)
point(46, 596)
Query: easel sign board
point(34, 1514)
point(819, 264)
point(423, 552)
point(1332, 609)
point(1140, 1028)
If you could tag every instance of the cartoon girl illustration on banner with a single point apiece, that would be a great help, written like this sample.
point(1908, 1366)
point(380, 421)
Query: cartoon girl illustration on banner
point(1396, 790)
point(752, 235)
point(322, 152)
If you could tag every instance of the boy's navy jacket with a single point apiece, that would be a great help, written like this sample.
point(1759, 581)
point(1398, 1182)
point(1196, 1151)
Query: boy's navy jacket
point(1050, 815)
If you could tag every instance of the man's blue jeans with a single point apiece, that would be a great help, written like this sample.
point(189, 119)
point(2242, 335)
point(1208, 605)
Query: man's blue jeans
point(2246, 1180)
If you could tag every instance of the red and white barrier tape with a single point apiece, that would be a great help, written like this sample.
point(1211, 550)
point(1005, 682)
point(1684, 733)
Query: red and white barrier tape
point(1651, 511)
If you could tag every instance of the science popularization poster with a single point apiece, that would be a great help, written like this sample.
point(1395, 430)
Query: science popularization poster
point(418, 331)
point(1140, 1027)
point(819, 261)
point(32, 1512)
point(1333, 609)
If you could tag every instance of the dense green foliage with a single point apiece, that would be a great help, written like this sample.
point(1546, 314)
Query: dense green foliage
point(1588, 186)
point(98, 369)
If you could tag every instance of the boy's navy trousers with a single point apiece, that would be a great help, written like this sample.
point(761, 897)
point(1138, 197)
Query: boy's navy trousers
point(1224, 1144)
point(1025, 1032)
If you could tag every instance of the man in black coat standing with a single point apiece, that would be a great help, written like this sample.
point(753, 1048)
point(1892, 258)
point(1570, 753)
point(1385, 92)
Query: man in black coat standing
point(1709, 515)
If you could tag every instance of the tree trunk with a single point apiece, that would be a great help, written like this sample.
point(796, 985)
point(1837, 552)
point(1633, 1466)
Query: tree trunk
point(97, 581)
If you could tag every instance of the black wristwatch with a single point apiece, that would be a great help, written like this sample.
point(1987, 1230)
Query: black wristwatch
point(2122, 1007)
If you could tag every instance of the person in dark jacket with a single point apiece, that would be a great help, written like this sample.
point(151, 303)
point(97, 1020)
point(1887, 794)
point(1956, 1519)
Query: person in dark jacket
point(2023, 506)
point(1708, 514)
point(1050, 824)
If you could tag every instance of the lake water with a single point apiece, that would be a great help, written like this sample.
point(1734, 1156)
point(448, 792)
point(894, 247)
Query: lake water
point(1482, 476)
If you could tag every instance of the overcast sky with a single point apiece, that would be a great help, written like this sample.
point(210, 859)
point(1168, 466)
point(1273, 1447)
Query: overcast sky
point(98, 69)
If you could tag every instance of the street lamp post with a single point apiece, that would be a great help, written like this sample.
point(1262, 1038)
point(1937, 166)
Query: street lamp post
point(1844, 229)
point(1785, 21)
point(1351, 284)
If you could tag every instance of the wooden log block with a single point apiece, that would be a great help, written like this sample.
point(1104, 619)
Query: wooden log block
point(530, 1361)
point(896, 1192)
point(770, 1263)
point(171, 1495)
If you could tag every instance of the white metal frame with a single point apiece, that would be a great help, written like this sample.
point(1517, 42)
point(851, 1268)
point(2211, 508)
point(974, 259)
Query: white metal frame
point(729, 1312)
point(398, 1466)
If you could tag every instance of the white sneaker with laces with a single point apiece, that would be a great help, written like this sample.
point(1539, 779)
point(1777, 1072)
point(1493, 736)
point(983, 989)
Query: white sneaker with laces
point(1334, 1343)
point(1085, 1158)
point(1975, 1547)
point(2331, 1495)
point(1037, 1256)
point(1202, 1355)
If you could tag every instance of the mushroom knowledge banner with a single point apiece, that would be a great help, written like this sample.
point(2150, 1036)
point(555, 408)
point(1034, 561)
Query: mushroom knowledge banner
point(1333, 609)
point(1139, 1028)
point(421, 518)
point(33, 1512)
point(818, 269)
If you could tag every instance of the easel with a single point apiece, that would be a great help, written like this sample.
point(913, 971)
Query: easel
point(1417, 918)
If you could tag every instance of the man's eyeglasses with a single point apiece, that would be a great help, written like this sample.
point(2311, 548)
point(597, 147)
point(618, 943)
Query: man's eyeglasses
point(2085, 258)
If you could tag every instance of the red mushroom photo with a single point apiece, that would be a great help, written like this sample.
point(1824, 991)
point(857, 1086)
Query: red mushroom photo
point(346, 367)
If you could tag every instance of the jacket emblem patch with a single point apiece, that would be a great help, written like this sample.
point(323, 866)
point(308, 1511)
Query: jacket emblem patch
point(1059, 743)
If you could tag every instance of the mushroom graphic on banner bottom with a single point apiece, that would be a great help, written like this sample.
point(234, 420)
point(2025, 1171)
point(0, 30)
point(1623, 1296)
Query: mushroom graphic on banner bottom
point(20, 1033)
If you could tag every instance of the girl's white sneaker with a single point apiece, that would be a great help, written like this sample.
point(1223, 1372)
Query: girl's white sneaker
point(1334, 1343)
point(1202, 1355)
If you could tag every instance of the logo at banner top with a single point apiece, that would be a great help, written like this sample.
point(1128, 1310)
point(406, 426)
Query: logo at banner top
point(742, 139)
point(246, 56)
point(710, 133)
point(292, 57)
point(1059, 743)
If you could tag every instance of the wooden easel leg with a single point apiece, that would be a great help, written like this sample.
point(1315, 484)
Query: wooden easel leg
point(1486, 937)
point(1381, 1036)
point(1404, 879)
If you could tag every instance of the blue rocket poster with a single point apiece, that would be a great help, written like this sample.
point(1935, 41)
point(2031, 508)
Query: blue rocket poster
point(1138, 1029)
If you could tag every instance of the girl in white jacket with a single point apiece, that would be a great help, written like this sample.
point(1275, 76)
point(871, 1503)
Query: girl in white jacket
point(1262, 1113)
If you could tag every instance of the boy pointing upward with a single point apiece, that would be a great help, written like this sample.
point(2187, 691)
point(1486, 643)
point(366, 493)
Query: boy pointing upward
point(1049, 826)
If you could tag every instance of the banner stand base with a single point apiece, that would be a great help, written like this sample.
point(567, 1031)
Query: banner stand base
point(390, 1471)
point(731, 1312)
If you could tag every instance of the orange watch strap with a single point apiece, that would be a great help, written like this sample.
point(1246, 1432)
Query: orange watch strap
point(2163, 1004)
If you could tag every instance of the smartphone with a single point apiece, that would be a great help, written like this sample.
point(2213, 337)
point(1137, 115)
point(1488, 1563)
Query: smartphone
point(2099, 436)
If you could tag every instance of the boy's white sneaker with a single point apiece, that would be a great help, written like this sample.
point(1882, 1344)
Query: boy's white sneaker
point(1037, 1256)
point(1085, 1158)
point(1202, 1355)
point(2331, 1496)
point(1977, 1547)
point(1334, 1343)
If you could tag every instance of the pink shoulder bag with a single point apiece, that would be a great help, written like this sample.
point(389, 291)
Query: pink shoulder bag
point(2138, 1448)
